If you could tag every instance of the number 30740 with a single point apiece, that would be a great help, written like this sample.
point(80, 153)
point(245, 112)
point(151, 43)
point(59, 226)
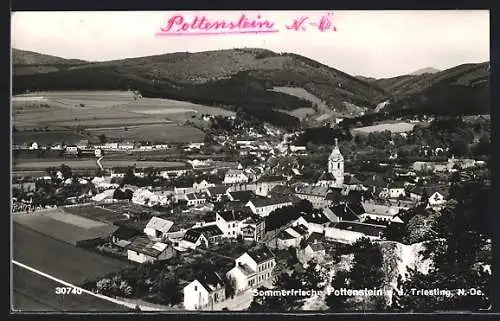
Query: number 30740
point(68, 290)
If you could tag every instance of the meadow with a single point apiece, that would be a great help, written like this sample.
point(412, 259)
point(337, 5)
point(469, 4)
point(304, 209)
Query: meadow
point(117, 114)
point(399, 127)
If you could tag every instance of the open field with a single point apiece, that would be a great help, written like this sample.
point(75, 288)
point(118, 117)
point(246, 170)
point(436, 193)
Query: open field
point(100, 108)
point(51, 223)
point(96, 214)
point(60, 259)
point(167, 133)
point(51, 137)
point(42, 164)
point(399, 127)
point(35, 293)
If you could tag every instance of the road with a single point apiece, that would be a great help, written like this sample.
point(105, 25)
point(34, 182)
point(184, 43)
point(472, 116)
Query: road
point(238, 303)
point(35, 293)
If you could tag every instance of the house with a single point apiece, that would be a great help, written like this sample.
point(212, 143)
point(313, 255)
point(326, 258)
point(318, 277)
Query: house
point(252, 268)
point(353, 184)
point(344, 212)
point(393, 190)
point(314, 222)
point(314, 194)
point(314, 248)
point(123, 235)
point(437, 199)
point(194, 199)
point(202, 186)
point(126, 146)
point(242, 196)
point(235, 176)
point(207, 289)
point(118, 172)
point(158, 228)
point(142, 250)
point(229, 222)
point(374, 183)
point(291, 236)
point(204, 235)
point(181, 190)
point(216, 192)
point(71, 150)
point(264, 206)
point(234, 223)
point(349, 232)
point(253, 229)
point(168, 172)
point(145, 197)
point(379, 212)
point(266, 183)
point(34, 146)
point(435, 196)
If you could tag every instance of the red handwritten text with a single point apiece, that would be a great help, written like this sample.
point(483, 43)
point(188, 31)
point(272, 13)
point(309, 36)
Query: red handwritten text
point(324, 24)
point(201, 25)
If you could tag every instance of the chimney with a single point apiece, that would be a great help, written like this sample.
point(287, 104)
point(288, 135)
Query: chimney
point(315, 241)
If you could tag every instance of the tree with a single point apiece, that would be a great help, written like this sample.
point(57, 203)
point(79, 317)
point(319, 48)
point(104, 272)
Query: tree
point(336, 301)
point(66, 171)
point(102, 138)
point(367, 270)
point(459, 259)
point(230, 283)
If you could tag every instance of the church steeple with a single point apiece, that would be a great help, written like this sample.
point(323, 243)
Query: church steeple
point(336, 165)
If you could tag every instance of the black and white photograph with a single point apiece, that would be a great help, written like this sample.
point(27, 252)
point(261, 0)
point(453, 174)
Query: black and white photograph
point(251, 162)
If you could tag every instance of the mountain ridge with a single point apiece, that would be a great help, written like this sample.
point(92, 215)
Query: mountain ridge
point(238, 78)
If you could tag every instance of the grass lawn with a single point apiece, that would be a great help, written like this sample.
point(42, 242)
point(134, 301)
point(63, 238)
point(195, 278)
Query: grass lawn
point(35, 293)
point(59, 259)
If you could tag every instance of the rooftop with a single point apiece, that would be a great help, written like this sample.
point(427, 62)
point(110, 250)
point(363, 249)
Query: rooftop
point(261, 254)
point(243, 196)
point(367, 229)
point(145, 246)
point(159, 224)
point(268, 201)
point(312, 190)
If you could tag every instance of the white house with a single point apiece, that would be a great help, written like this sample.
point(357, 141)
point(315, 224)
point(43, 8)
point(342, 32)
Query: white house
point(266, 183)
point(34, 146)
point(350, 232)
point(194, 199)
point(143, 250)
point(235, 176)
point(314, 248)
point(158, 228)
point(145, 197)
point(379, 212)
point(291, 236)
point(264, 206)
point(202, 186)
point(252, 268)
point(207, 289)
point(393, 190)
point(126, 146)
point(436, 200)
point(201, 236)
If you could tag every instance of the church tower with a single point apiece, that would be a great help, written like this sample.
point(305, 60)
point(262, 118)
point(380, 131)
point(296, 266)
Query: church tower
point(336, 165)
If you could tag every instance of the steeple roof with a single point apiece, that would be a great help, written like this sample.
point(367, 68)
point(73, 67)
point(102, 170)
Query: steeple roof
point(336, 155)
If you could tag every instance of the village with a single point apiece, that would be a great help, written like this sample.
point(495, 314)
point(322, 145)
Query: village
point(246, 222)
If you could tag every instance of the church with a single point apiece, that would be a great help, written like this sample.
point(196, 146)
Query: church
point(334, 178)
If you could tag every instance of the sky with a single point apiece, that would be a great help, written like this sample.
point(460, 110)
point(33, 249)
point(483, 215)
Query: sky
point(376, 44)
